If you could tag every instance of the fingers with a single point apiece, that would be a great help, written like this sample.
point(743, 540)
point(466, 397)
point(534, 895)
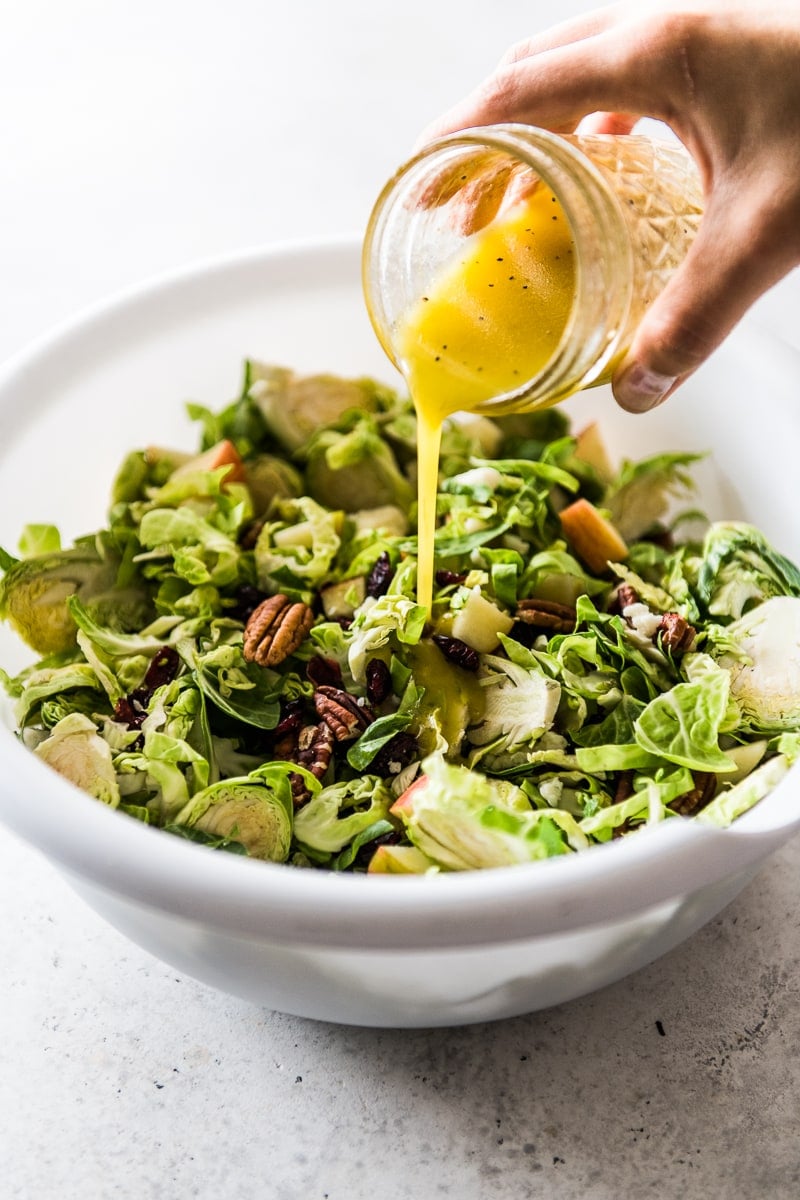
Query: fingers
point(476, 190)
point(557, 88)
point(574, 30)
point(602, 122)
point(728, 267)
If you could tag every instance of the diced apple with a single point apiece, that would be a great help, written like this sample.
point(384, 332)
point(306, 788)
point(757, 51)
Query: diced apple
point(479, 623)
point(342, 599)
point(223, 454)
point(388, 518)
point(399, 860)
point(747, 757)
point(301, 534)
point(590, 448)
point(591, 536)
point(404, 805)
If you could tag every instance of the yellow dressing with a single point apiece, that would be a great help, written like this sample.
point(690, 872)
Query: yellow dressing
point(489, 323)
point(454, 696)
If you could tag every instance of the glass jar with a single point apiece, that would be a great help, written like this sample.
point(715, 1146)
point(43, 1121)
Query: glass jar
point(633, 205)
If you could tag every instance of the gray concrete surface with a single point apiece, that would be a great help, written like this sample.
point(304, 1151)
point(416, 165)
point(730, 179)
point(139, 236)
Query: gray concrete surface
point(120, 1078)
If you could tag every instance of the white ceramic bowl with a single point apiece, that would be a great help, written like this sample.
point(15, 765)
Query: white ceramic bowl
point(363, 950)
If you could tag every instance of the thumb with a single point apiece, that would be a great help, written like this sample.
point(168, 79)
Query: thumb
point(733, 260)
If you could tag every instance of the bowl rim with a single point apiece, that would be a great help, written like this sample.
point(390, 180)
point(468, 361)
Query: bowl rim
point(276, 903)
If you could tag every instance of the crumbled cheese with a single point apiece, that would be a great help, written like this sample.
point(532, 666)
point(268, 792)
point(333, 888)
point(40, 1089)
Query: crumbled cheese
point(642, 619)
point(551, 791)
point(551, 741)
point(488, 477)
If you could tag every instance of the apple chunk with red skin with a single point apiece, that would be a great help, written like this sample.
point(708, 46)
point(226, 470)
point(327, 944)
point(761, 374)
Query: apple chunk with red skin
point(404, 805)
point(223, 454)
point(402, 860)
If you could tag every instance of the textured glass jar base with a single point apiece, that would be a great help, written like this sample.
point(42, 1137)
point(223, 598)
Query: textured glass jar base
point(658, 188)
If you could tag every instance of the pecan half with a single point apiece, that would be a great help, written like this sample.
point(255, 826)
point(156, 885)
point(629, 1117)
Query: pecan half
point(346, 717)
point(546, 614)
point(314, 752)
point(315, 748)
point(626, 595)
point(249, 535)
point(275, 630)
point(676, 633)
point(286, 733)
point(311, 748)
point(705, 785)
point(301, 793)
point(284, 747)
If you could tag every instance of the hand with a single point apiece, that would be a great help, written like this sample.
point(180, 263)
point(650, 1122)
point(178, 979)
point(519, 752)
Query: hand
point(726, 78)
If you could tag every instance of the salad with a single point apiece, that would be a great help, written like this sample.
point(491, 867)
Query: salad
point(238, 657)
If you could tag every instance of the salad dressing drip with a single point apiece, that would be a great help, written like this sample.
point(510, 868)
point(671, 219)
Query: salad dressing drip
point(492, 320)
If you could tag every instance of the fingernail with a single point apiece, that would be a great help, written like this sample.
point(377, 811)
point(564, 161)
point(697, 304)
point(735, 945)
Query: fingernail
point(639, 389)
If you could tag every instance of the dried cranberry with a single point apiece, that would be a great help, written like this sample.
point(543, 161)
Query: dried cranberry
point(248, 599)
point(446, 578)
point(457, 652)
point(379, 681)
point(395, 755)
point(131, 710)
point(380, 576)
point(291, 720)
point(162, 669)
point(127, 712)
point(324, 671)
point(526, 635)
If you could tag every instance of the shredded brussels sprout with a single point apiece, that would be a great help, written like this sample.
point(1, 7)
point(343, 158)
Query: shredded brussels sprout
point(542, 706)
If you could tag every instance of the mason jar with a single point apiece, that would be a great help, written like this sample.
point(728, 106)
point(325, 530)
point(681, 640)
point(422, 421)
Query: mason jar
point(633, 204)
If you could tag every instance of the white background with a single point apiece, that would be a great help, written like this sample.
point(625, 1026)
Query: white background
point(136, 137)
